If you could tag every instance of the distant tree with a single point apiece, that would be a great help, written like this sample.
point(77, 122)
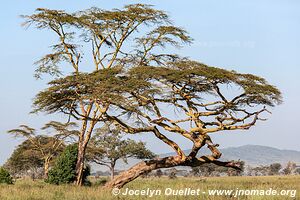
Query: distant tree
point(275, 168)
point(249, 170)
point(107, 147)
point(235, 172)
point(289, 168)
point(172, 174)
point(25, 158)
point(211, 169)
point(159, 173)
point(261, 170)
point(204, 170)
point(42, 146)
point(297, 171)
point(5, 177)
point(64, 170)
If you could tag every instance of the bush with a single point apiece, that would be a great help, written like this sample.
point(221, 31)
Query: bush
point(100, 182)
point(159, 173)
point(5, 176)
point(172, 175)
point(86, 173)
point(64, 170)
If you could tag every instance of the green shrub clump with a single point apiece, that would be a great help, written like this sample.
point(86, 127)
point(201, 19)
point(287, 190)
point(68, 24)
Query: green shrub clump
point(5, 176)
point(64, 170)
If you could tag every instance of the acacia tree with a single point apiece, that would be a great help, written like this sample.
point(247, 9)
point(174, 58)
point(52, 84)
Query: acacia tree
point(42, 147)
point(275, 168)
point(200, 93)
point(107, 147)
point(132, 87)
point(108, 32)
point(24, 158)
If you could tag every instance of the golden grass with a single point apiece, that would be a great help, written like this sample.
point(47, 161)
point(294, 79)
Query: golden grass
point(38, 190)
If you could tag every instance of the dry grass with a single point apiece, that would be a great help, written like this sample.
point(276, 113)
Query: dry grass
point(38, 190)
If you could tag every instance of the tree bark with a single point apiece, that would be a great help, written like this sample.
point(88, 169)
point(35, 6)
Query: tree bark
point(112, 171)
point(141, 168)
point(167, 162)
point(46, 167)
point(82, 145)
point(112, 174)
point(80, 165)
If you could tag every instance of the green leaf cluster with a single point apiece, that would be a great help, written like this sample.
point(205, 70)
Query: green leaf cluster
point(5, 177)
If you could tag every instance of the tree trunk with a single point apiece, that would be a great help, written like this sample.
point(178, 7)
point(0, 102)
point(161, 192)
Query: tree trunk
point(80, 165)
point(112, 171)
point(84, 138)
point(141, 168)
point(46, 168)
point(167, 162)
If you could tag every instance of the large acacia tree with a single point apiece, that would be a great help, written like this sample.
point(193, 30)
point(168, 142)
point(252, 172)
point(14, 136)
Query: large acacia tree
point(141, 89)
point(115, 40)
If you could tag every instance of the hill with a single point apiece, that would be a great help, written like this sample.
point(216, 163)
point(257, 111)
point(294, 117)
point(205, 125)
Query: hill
point(253, 155)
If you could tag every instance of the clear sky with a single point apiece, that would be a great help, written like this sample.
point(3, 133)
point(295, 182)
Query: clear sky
point(250, 36)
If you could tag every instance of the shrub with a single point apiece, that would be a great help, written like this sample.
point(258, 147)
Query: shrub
point(100, 182)
point(159, 173)
point(172, 175)
point(5, 176)
point(64, 170)
point(86, 173)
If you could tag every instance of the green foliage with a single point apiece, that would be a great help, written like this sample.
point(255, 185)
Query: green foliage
point(114, 86)
point(25, 157)
point(159, 173)
point(101, 182)
point(210, 169)
point(275, 168)
point(202, 79)
point(5, 177)
point(172, 175)
point(106, 28)
point(108, 146)
point(64, 170)
point(86, 173)
point(139, 82)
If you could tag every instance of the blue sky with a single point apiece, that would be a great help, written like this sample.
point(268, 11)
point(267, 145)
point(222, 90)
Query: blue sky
point(250, 36)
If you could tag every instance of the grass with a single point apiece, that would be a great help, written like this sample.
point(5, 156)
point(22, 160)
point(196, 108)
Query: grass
point(38, 190)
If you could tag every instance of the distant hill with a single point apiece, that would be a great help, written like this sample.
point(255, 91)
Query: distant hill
point(253, 155)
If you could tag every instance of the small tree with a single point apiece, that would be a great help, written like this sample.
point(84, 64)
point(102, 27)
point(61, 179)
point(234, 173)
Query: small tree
point(289, 169)
point(159, 173)
point(172, 174)
point(44, 147)
point(275, 168)
point(261, 170)
point(235, 172)
point(23, 159)
point(208, 169)
point(5, 177)
point(107, 147)
point(297, 171)
point(64, 169)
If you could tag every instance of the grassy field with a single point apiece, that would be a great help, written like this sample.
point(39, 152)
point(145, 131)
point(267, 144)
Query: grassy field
point(38, 190)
